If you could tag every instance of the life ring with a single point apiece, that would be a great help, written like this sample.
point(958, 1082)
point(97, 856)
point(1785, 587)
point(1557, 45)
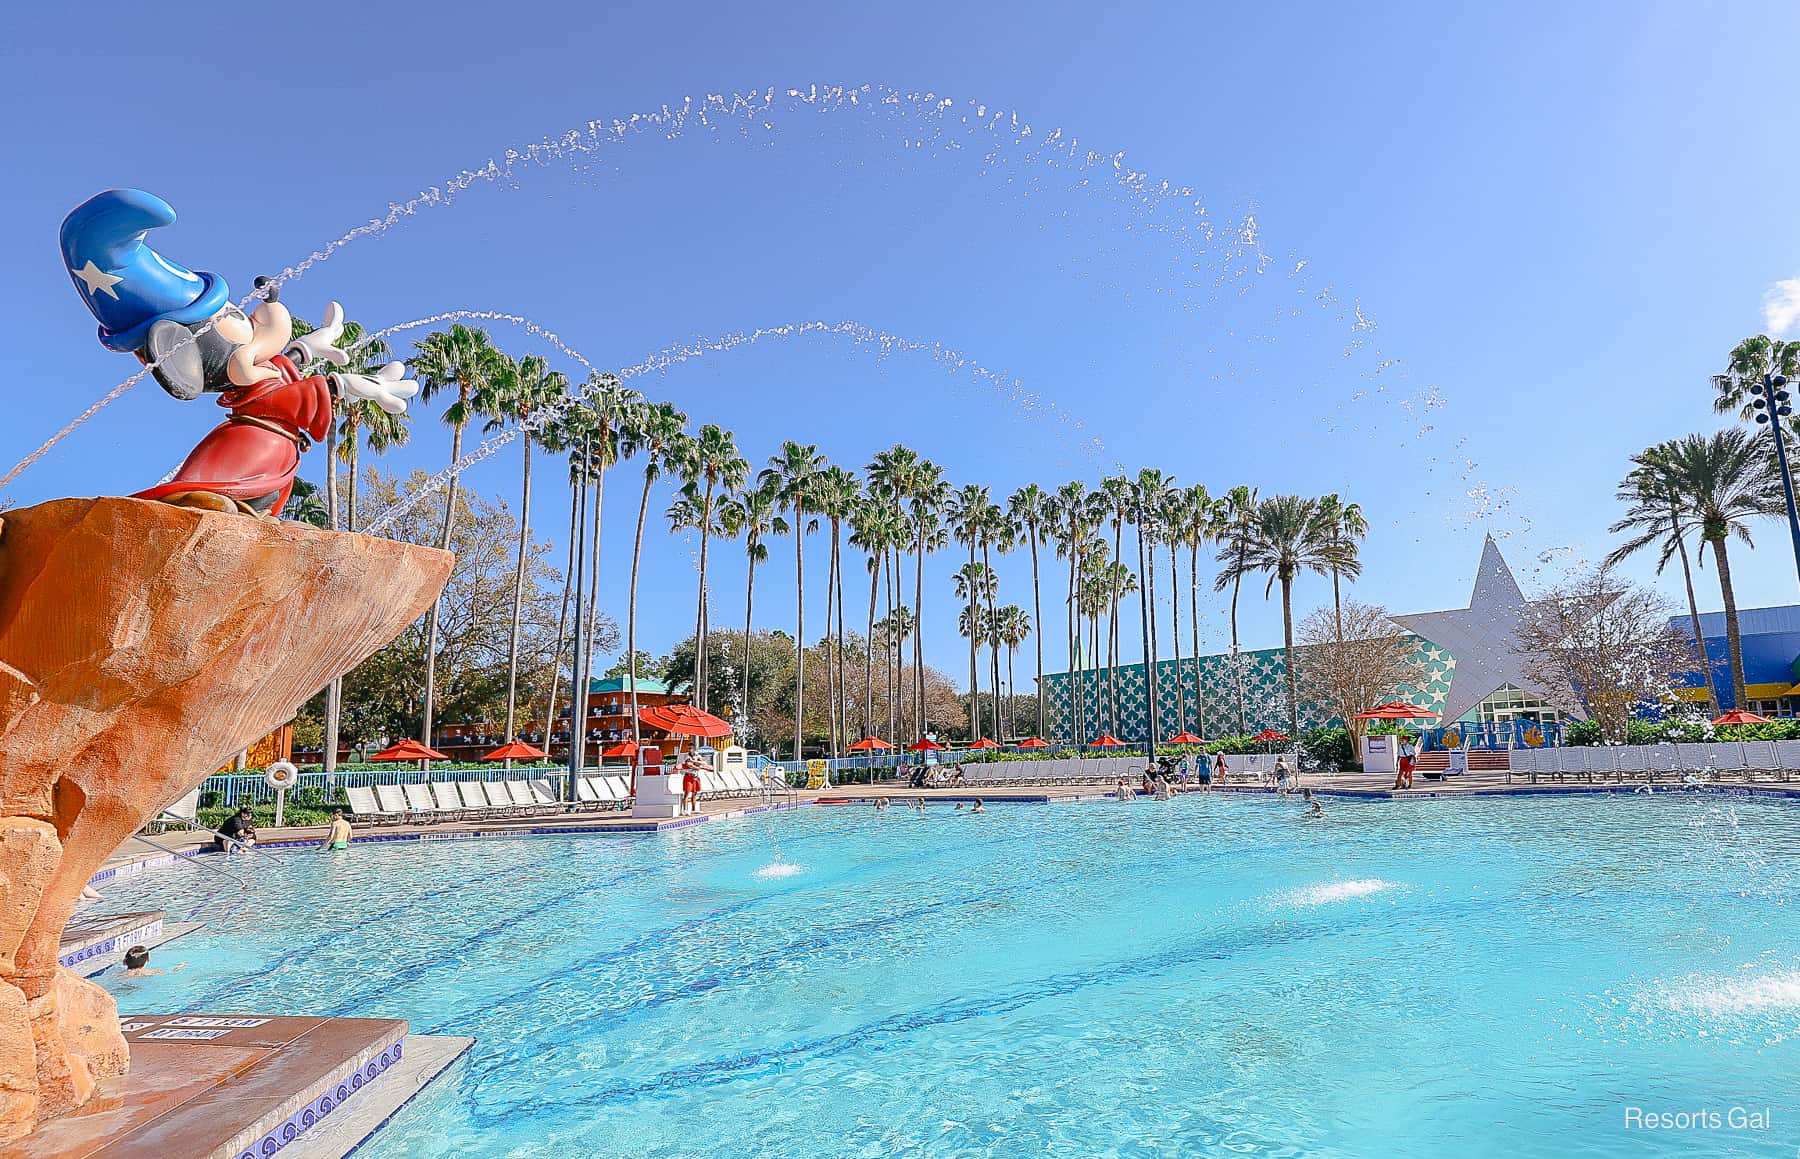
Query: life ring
point(281, 775)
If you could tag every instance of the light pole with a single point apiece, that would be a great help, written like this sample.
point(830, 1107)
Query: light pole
point(1771, 395)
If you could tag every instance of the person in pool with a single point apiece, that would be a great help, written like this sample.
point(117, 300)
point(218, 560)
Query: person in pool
point(1313, 808)
point(137, 964)
point(979, 807)
point(880, 804)
point(338, 836)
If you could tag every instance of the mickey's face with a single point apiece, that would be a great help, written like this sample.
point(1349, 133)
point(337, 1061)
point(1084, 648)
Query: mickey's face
point(189, 361)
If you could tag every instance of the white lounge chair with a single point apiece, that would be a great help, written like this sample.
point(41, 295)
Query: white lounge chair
point(544, 793)
point(448, 800)
point(1787, 758)
point(474, 800)
point(1632, 758)
point(392, 800)
point(1760, 757)
point(364, 806)
point(419, 803)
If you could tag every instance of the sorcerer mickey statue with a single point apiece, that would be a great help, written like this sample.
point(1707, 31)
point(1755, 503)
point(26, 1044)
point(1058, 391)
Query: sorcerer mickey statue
point(185, 327)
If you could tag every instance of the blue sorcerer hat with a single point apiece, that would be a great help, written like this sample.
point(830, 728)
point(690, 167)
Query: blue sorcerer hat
point(126, 284)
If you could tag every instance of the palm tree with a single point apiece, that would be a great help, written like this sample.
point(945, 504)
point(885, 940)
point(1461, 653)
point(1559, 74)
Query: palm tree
point(1235, 517)
point(873, 530)
point(1348, 529)
point(1724, 480)
point(1289, 534)
point(1030, 509)
point(1750, 360)
point(925, 502)
point(996, 533)
point(791, 473)
point(966, 513)
point(1067, 518)
point(974, 584)
point(1011, 627)
point(460, 359)
point(1117, 497)
point(1173, 519)
point(753, 516)
point(516, 393)
point(569, 432)
point(711, 466)
point(613, 406)
point(654, 431)
point(837, 493)
point(1655, 516)
point(1152, 490)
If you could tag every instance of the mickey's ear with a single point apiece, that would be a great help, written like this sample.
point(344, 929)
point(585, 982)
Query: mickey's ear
point(175, 353)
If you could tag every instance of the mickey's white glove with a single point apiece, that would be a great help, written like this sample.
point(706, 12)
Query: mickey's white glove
point(388, 388)
point(322, 343)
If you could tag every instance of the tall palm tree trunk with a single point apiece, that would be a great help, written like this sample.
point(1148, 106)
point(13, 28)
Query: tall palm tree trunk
point(1037, 628)
point(1734, 643)
point(749, 601)
point(918, 635)
point(1194, 623)
point(518, 608)
point(974, 647)
point(593, 564)
point(799, 629)
point(1237, 666)
point(562, 625)
point(431, 617)
point(334, 692)
point(1175, 638)
point(1147, 606)
point(868, 718)
point(700, 626)
point(631, 656)
point(993, 642)
point(1287, 643)
point(838, 697)
point(831, 692)
point(1687, 579)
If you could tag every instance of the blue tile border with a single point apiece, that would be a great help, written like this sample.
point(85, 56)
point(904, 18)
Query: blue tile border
point(310, 1115)
point(122, 940)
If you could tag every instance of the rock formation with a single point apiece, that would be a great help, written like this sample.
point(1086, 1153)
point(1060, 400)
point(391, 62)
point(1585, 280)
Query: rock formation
point(141, 645)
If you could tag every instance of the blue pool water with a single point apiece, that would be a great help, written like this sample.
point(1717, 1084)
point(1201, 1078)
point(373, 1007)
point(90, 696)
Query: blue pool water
point(1212, 976)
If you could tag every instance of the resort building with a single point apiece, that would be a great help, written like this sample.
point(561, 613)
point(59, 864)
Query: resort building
point(607, 721)
point(1471, 674)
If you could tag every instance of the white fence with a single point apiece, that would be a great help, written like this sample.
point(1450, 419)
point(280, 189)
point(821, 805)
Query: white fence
point(1730, 759)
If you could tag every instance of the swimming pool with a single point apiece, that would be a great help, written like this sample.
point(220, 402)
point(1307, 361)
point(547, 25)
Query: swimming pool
point(1207, 976)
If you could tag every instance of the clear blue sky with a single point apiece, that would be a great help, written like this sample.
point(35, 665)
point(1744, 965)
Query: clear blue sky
point(1560, 217)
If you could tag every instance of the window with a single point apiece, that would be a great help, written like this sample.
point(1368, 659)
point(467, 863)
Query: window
point(1781, 706)
point(1509, 703)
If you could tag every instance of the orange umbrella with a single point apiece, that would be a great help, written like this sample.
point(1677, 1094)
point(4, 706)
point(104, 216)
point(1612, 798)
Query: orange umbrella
point(924, 745)
point(984, 743)
point(1035, 742)
point(1269, 734)
point(516, 750)
point(1739, 716)
point(408, 750)
point(624, 748)
point(1185, 737)
point(1396, 710)
point(869, 744)
point(1109, 741)
point(685, 720)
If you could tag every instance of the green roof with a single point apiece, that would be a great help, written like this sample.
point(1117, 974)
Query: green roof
point(623, 684)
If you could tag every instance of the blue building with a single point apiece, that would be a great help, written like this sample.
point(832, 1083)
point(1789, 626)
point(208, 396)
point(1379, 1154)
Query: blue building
point(1771, 643)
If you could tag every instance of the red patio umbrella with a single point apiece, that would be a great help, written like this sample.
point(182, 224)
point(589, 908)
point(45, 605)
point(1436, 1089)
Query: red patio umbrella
point(685, 720)
point(984, 743)
point(408, 750)
point(1269, 734)
point(516, 750)
point(869, 744)
point(1397, 710)
point(1185, 737)
point(924, 745)
point(1034, 742)
point(1739, 716)
point(624, 748)
point(1108, 741)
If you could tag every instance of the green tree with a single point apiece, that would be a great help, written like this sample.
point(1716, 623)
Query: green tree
point(1656, 518)
point(1288, 535)
point(790, 474)
point(751, 515)
point(1724, 480)
point(460, 360)
point(1749, 361)
point(711, 467)
point(1233, 529)
point(653, 435)
point(1031, 513)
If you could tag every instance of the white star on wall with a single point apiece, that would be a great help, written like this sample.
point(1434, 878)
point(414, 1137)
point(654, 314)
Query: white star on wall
point(1483, 636)
point(98, 280)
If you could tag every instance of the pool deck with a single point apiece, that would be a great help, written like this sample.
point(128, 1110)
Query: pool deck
point(136, 856)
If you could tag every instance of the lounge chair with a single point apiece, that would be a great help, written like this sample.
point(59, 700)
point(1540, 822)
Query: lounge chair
point(474, 799)
point(448, 801)
point(392, 800)
point(1787, 757)
point(544, 793)
point(364, 806)
point(419, 803)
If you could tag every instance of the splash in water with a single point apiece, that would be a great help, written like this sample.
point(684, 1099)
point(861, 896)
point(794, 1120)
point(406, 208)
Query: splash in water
point(777, 869)
point(1726, 996)
point(1316, 895)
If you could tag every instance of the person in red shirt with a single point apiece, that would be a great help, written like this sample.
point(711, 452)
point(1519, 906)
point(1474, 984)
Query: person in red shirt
point(690, 784)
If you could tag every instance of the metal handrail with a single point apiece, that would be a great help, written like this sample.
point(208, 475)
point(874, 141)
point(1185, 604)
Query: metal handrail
point(196, 827)
point(186, 860)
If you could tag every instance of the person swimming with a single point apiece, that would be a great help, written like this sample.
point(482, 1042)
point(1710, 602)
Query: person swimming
point(979, 807)
point(1313, 808)
point(137, 964)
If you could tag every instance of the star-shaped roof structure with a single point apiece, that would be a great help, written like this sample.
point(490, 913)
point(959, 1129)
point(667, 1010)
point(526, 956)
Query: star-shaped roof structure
point(1483, 636)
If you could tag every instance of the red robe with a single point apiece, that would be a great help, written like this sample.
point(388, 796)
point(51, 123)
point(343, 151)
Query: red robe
point(256, 452)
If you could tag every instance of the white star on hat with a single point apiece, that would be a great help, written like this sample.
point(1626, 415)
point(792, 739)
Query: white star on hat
point(98, 280)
